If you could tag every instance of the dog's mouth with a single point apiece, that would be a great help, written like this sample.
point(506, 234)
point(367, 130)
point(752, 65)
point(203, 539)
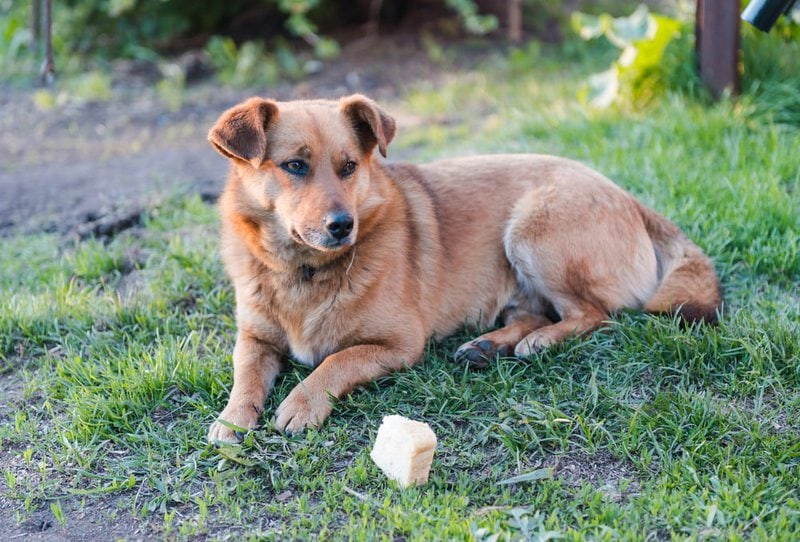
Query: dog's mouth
point(320, 241)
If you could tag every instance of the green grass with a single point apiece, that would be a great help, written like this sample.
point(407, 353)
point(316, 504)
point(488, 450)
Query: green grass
point(645, 431)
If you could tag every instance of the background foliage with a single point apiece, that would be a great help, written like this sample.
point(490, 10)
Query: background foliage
point(104, 30)
point(259, 42)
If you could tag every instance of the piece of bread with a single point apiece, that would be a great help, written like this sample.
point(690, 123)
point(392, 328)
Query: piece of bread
point(404, 450)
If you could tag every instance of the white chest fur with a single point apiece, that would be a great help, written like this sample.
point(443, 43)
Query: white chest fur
point(318, 336)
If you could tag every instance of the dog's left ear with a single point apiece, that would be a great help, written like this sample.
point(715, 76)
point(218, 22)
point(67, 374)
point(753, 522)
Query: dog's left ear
point(373, 126)
point(241, 131)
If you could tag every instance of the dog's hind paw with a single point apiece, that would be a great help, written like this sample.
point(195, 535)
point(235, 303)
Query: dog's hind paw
point(529, 346)
point(478, 353)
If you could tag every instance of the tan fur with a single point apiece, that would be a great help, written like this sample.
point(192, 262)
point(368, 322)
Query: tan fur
point(544, 244)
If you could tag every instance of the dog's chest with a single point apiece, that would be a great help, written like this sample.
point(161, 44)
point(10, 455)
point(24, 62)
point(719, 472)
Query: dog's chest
point(314, 321)
point(314, 336)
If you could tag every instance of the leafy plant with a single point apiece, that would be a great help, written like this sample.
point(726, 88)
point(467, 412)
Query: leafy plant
point(246, 65)
point(15, 38)
point(474, 22)
point(299, 24)
point(172, 86)
point(92, 86)
point(771, 72)
point(655, 55)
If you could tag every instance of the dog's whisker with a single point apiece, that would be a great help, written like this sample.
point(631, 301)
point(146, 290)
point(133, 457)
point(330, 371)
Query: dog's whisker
point(352, 259)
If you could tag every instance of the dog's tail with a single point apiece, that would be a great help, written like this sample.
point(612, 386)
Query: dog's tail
point(689, 285)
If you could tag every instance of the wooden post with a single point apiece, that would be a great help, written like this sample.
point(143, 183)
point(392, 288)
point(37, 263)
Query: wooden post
point(717, 45)
point(374, 17)
point(48, 66)
point(36, 25)
point(515, 21)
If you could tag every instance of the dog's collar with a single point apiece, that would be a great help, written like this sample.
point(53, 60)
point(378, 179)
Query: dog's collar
point(307, 272)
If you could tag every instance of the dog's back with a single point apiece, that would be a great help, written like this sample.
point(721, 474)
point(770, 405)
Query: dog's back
point(481, 199)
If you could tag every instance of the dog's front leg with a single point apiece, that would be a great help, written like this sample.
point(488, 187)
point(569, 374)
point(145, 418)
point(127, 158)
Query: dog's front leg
point(309, 403)
point(255, 366)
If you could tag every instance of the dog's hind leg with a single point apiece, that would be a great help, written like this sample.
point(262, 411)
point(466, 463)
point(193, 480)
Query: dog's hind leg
point(583, 247)
point(578, 321)
point(518, 323)
point(578, 311)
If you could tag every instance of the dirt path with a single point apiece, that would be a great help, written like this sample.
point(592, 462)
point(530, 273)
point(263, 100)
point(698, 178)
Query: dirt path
point(88, 168)
point(85, 163)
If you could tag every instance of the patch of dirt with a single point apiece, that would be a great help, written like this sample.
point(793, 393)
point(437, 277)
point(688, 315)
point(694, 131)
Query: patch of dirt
point(616, 479)
point(109, 225)
point(766, 411)
point(85, 518)
point(133, 286)
point(89, 519)
point(10, 392)
point(86, 521)
point(91, 168)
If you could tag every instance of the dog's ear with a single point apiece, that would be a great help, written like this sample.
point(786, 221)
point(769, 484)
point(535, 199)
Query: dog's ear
point(241, 131)
point(373, 126)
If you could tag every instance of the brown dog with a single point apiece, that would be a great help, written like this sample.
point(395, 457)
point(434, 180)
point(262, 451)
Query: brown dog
point(349, 265)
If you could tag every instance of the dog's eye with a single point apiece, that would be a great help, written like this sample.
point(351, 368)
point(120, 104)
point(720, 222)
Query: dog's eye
point(295, 167)
point(349, 168)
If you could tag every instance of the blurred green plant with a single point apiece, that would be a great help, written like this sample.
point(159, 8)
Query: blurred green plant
point(299, 24)
point(656, 55)
point(171, 88)
point(93, 86)
point(473, 22)
point(15, 39)
point(241, 66)
point(771, 72)
point(103, 30)
point(90, 34)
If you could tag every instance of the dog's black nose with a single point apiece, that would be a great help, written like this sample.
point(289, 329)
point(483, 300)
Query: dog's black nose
point(339, 224)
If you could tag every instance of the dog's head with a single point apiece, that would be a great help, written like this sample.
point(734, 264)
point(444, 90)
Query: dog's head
point(308, 162)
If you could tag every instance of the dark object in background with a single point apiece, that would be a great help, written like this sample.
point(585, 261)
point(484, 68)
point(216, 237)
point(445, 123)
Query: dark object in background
point(48, 72)
point(763, 14)
point(717, 44)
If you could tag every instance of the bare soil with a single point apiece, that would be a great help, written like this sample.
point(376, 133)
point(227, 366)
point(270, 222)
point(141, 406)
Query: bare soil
point(90, 168)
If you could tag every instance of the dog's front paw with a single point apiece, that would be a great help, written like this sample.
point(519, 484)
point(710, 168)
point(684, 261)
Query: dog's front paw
point(302, 408)
point(232, 422)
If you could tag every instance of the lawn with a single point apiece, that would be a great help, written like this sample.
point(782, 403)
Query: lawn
point(116, 357)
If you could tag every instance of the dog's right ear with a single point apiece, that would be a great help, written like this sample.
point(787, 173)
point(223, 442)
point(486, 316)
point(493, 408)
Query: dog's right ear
point(373, 126)
point(241, 131)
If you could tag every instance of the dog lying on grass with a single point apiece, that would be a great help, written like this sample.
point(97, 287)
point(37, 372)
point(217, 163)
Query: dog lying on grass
point(350, 265)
